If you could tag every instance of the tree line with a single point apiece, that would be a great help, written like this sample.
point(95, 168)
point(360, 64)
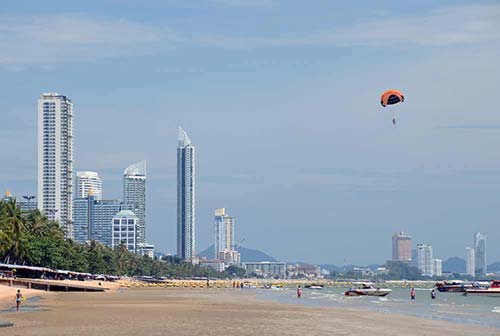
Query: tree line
point(30, 238)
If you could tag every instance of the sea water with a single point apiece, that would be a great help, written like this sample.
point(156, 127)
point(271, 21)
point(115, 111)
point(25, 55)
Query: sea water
point(453, 307)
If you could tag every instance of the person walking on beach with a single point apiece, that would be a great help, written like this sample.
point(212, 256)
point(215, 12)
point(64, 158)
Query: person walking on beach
point(19, 298)
point(299, 292)
point(412, 294)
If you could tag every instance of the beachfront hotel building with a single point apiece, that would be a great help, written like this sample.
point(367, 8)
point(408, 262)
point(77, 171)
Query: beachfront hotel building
point(92, 219)
point(124, 230)
point(266, 269)
point(86, 182)
point(185, 197)
point(134, 196)
point(55, 159)
point(480, 254)
point(401, 247)
point(425, 260)
point(470, 261)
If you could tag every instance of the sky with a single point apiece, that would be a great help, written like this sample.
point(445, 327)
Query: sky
point(282, 100)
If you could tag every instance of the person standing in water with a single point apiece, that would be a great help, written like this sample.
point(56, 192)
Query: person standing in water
point(299, 292)
point(19, 298)
point(412, 294)
point(433, 293)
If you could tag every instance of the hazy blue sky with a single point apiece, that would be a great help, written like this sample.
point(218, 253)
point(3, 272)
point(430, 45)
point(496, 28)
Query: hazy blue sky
point(281, 99)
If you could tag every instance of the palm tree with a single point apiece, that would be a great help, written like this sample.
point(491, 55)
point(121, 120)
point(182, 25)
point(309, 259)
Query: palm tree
point(12, 232)
point(36, 223)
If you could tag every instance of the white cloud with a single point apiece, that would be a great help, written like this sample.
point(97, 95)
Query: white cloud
point(73, 37)
point(459, 25)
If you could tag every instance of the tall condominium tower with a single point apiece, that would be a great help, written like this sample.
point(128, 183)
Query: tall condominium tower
point(425, 260)
point(480, 251)
point(224, 231)
point(185, 197)
point(87, 181)
point(55, 158)
point(470, 261)
point(401, 247)
point(134, 196)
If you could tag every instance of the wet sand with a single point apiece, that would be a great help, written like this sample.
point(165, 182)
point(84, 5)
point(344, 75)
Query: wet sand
point(160, 311)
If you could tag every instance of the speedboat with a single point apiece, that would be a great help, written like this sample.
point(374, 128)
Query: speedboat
point(493, 290)
point(314, 286)
point(458, 286)
point(367, 289)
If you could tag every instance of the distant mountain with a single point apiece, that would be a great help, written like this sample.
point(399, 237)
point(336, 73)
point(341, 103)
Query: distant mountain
point(247, 254)
point(494, 268)
point(454, 265)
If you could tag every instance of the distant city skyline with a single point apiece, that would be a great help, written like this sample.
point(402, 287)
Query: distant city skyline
point(282, 101)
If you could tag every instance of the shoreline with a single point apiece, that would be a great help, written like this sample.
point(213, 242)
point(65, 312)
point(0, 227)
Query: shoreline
point(179, 311)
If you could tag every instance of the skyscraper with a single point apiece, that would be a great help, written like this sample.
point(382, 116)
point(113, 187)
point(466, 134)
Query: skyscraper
point(470, 261)
point(185, 197)
point(224, 231)
point(134, 196)
point(93, 219)
point(55, 158)
point(401, 247)
point(425, 260)
point(87, 181)
point(480, 254)
point(224, 238)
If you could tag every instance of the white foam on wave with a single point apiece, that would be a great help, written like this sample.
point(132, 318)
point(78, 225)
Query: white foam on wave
point(496, 310)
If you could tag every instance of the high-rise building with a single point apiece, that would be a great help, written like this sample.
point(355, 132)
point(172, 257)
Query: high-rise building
point(401, 247)
point(134, 196)
point(470, 261)
point(224, 231)
point(185, 197)
point(124, 230)
point(55, 159)
point(437, 267)
point(93, 219)
point(87, 181)
point(224, 238)
point(425, 259)
point(480, 254)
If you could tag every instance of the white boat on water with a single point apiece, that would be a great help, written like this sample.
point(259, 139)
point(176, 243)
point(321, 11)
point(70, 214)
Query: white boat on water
point(367, 289)
point(493, 290)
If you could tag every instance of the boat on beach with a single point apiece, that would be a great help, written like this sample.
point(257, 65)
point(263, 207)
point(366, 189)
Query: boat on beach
point(493, 290)
point(367, 289)
point(314, 286)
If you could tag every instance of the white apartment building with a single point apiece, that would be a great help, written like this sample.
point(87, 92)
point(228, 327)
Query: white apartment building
point(88, 181)
point(134, 195)
point(425, 259)
point(123, 230)
point(470, 261)
point(55, 158)
point(437, 265)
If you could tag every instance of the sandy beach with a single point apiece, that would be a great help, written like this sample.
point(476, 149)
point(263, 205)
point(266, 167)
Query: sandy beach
point(178, 311)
